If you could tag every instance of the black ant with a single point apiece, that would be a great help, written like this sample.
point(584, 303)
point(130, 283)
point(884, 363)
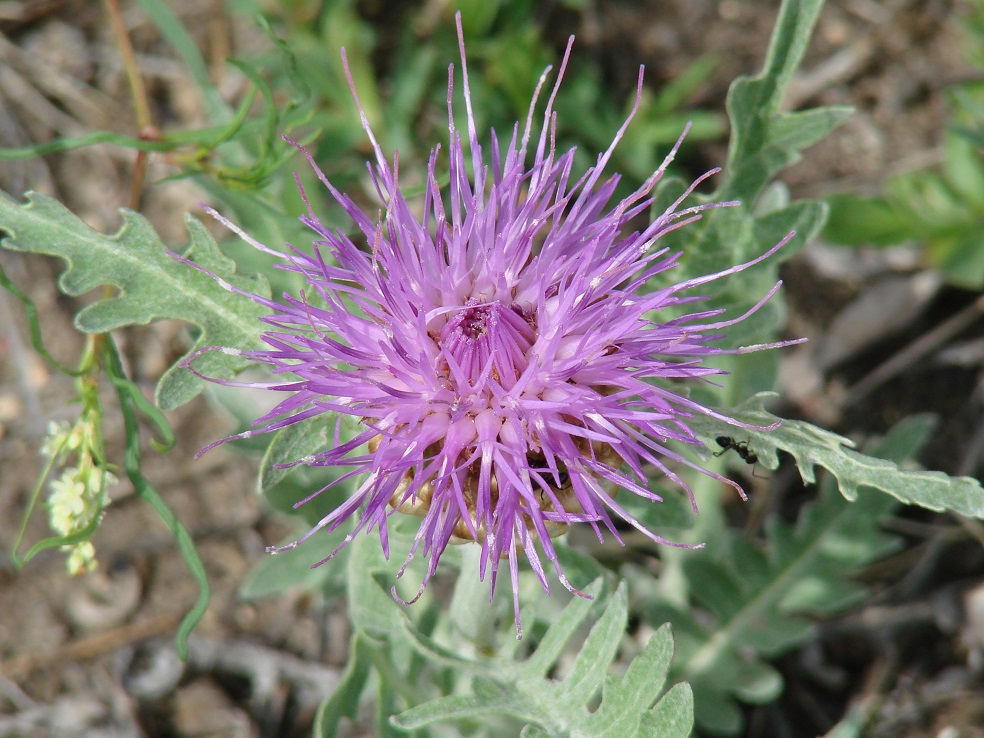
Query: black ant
point(741, 448)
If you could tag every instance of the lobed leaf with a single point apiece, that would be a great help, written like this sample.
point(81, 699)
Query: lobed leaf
point(152, 284)
point(630, 704)
point(763, 140)
point(811, 446)
point(758, 601)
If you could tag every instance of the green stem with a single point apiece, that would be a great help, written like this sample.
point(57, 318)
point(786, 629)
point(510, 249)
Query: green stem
point(126, 390)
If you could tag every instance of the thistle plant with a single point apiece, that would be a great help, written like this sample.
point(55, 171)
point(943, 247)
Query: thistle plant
point(499, 345)
point(509, 366)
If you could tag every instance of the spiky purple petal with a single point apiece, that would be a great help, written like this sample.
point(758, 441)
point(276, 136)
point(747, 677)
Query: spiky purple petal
point(499, 350)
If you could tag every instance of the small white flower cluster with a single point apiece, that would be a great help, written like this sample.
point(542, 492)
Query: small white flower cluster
point(79, 495)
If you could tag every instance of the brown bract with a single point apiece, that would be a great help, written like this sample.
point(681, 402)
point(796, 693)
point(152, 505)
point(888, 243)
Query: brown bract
point(419, 502)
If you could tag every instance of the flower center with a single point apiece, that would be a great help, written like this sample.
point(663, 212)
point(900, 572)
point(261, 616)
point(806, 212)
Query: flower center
point(488, 340)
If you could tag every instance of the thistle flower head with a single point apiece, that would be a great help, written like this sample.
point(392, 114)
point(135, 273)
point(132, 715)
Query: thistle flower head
point(508, 364)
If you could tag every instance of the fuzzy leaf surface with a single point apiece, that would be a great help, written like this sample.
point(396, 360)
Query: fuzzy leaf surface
point(760, 599)
point(758, 596)
point(151, 284)
point(763, 140)
point(811, 446)
point(631, 705)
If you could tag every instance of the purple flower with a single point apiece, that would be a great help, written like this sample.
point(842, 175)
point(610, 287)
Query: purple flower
point(499, 346)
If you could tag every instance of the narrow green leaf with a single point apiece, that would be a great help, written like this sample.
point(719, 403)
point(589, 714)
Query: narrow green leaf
point(177, 35)
point(855, 221)
point(961, 258)
point(461, 707)
point(757, 683)
point(790, 37)
point(57, 541)
point(125, 390)
point(470, 612)
point(34, 324)
point(783, 633)
point(560, 632)
point(803, 128)
point(719, 594)
point(598, 652)
point(964, 170)
point(344, 703)
point(673, 512)
point(854, 723)
point(628, 699)
point(806, 217)
point(716, 713)
point(168, 142)
point(152, 414)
